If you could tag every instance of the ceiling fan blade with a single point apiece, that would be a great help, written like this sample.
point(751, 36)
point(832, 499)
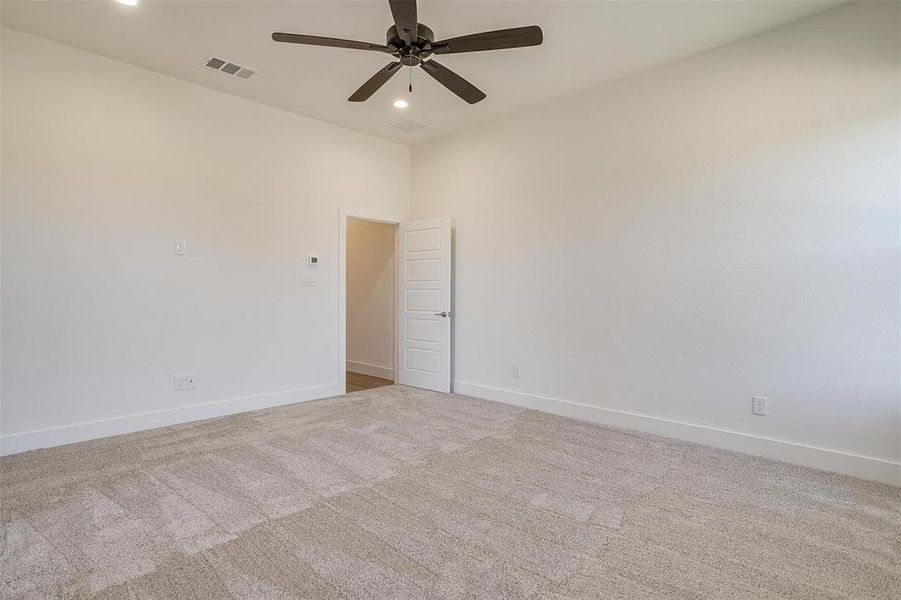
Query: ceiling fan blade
point(517, 37)
point(404, 13)
point(453, 82)
point(315, 40)
point(375, 82)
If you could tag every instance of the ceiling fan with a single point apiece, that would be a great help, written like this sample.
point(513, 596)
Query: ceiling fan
point(412, 43)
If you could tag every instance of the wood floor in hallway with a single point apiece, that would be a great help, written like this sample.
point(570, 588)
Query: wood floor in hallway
point(357, 382)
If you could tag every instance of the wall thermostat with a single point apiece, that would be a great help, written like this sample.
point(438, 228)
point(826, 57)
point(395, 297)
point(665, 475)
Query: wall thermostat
point(313, 260)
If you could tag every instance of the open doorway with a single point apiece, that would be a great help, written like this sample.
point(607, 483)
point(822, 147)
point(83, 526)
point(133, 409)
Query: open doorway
point(370, 302)
point(420, 268)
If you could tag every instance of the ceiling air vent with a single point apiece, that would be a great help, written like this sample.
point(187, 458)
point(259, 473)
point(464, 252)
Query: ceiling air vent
point(407, 125)
point(229, 68)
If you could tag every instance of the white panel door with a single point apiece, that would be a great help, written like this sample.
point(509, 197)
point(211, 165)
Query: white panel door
point(425, 304)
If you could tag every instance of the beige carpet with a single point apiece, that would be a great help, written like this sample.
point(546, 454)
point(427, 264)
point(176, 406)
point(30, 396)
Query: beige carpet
point(401, 493)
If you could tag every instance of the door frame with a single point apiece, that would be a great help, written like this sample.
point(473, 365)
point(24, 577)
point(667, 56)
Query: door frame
point(377, 216)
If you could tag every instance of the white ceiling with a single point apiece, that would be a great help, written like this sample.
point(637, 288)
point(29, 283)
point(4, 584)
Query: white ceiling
point(585, 44)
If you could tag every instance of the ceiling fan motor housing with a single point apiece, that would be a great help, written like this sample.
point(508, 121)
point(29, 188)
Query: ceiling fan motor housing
point(411, 55)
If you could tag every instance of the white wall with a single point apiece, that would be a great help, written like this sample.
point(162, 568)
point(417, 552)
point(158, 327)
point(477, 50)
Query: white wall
point(671, 245)
point(370, 298)
point(105, 166)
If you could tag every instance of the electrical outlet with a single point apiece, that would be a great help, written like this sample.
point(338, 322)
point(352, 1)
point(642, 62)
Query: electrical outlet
point(178, 383)
point(514, 370)
point(190, 382)
point(181, 248)
point(758, 406)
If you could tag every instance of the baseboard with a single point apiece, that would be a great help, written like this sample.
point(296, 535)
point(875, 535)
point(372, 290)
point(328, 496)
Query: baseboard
point(90, 430)
point(865, 467)
point(373, 370)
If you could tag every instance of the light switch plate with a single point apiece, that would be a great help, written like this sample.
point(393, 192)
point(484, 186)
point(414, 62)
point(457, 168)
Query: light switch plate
point(309, 279)
point(758, 406)
point(181, 248)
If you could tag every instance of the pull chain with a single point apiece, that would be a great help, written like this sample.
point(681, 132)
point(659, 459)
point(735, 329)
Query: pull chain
point(411, 80)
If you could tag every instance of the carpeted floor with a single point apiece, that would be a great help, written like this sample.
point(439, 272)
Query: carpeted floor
point(402, 493)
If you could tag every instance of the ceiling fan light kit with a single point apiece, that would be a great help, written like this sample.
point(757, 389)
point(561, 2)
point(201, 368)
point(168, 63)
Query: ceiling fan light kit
point(413, 44)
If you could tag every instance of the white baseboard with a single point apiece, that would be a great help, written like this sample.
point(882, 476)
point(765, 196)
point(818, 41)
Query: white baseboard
point(865, 467)
point(89, 430)
point(373, 370)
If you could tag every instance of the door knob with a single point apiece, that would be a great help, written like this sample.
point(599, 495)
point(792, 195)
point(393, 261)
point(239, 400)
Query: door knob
point(443, 313)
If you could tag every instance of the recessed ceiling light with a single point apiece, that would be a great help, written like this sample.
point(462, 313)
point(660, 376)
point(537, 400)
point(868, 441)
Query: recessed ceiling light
point(400, 103)
point(128, 2)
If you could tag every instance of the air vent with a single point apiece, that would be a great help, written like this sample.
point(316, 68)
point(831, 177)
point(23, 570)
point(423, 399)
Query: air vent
point(229, 68)
point(407, 125)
